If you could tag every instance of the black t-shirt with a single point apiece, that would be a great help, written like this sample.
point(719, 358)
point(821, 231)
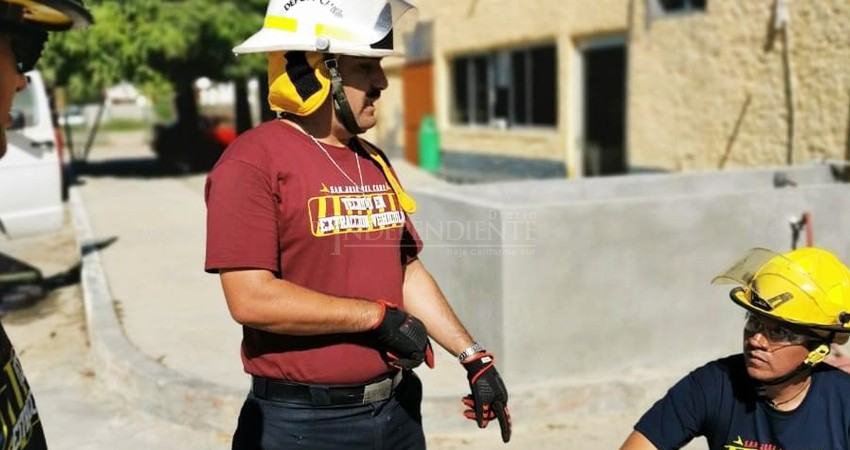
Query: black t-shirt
point(720, 401)
point(20, 425)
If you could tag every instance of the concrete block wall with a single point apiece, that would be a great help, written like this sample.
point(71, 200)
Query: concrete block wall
point(597, 276)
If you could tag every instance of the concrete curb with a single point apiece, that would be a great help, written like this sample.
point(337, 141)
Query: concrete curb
point(198, 403)
point(124, 369)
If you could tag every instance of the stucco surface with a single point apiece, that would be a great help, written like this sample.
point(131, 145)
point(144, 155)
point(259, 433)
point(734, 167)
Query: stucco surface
point(693, 77)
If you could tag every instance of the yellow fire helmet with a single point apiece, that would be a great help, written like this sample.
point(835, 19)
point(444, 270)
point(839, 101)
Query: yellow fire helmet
point(809, 287)
point(44, 15)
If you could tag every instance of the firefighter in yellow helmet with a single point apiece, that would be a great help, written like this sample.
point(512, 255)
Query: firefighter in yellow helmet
point(310, 232)
point(776, 394)
point(24, 27)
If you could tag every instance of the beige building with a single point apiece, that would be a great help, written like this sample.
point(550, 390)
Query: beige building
point(586, 87)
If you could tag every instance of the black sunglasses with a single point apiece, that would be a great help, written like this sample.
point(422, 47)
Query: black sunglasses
point(776, 331)
point(27, 46)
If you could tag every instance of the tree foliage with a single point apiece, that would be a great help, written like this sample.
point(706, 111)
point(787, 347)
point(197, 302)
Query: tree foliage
point(154, 44)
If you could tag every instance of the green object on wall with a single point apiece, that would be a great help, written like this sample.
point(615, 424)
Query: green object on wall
point(429, 144)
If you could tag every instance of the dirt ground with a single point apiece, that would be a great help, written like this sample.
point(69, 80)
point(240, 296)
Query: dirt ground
point(50, 338)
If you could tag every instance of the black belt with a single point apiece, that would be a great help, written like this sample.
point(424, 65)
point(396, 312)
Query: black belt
point(324, 395)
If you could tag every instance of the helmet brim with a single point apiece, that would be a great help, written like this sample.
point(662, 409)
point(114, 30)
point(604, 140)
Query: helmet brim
point(270, 40)
point(54, 15)
point(739, 297)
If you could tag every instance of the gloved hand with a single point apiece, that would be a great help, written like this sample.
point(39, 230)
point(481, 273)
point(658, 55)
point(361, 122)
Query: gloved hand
point(489, 398)
point(404, 337)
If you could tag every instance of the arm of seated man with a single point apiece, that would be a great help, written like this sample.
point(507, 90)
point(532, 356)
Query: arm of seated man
point(637, 441)
point(684, 412)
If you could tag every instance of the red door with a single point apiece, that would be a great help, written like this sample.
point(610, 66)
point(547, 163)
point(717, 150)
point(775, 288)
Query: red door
point(418, 102)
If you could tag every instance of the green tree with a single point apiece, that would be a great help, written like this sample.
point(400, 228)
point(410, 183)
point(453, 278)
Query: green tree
point(159, 45)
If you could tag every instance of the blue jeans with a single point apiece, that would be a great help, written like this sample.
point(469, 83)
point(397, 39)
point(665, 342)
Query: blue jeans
point(392, 424)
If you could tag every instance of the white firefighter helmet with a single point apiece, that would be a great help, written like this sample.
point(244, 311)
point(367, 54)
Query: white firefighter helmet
point(347, 27)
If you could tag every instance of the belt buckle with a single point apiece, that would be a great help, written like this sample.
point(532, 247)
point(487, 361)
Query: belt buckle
point(381, 390)
point(376, 392)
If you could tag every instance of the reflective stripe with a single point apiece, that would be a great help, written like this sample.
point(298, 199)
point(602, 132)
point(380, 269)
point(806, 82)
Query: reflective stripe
point(290, 24)
point(281, 23)
point(330, 31)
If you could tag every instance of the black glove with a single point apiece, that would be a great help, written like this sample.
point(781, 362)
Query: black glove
point(404, 337)
point(489, 398)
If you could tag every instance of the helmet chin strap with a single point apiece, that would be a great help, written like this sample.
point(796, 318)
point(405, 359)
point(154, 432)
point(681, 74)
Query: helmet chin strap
point(814, 357)
point(340, 101)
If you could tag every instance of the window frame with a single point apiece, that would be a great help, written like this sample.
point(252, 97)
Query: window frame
point(688, 9)
point(508, 121)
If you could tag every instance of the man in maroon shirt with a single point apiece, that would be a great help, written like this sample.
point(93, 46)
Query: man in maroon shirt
point(308, 228)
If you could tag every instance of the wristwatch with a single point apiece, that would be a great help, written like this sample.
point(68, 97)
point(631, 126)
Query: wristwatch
point(476, 348)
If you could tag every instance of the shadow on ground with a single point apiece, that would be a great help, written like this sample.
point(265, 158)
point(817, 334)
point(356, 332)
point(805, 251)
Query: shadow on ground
point(174, 150)
point(22, 285)
point(145, 168)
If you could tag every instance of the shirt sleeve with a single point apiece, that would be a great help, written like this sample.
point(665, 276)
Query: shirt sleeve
point(241, 218)
point(411, 243)
point(677, 417)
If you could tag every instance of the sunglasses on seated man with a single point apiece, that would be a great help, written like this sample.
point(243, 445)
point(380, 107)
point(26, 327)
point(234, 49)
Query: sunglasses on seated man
point(778, 332)
point(27, 46)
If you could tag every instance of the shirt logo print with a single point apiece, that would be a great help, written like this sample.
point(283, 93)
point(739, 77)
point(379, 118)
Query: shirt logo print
point(332, 215)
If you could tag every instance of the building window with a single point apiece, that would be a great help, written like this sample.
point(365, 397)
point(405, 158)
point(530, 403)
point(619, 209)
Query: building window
point(671, 6)
point(507, 88)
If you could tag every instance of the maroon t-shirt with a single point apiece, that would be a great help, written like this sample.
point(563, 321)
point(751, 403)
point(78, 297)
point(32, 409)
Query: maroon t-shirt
point(276, 201)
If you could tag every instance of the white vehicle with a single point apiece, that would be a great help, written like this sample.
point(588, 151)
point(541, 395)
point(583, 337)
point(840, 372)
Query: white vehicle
point(31, 171)
point(73, 117)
